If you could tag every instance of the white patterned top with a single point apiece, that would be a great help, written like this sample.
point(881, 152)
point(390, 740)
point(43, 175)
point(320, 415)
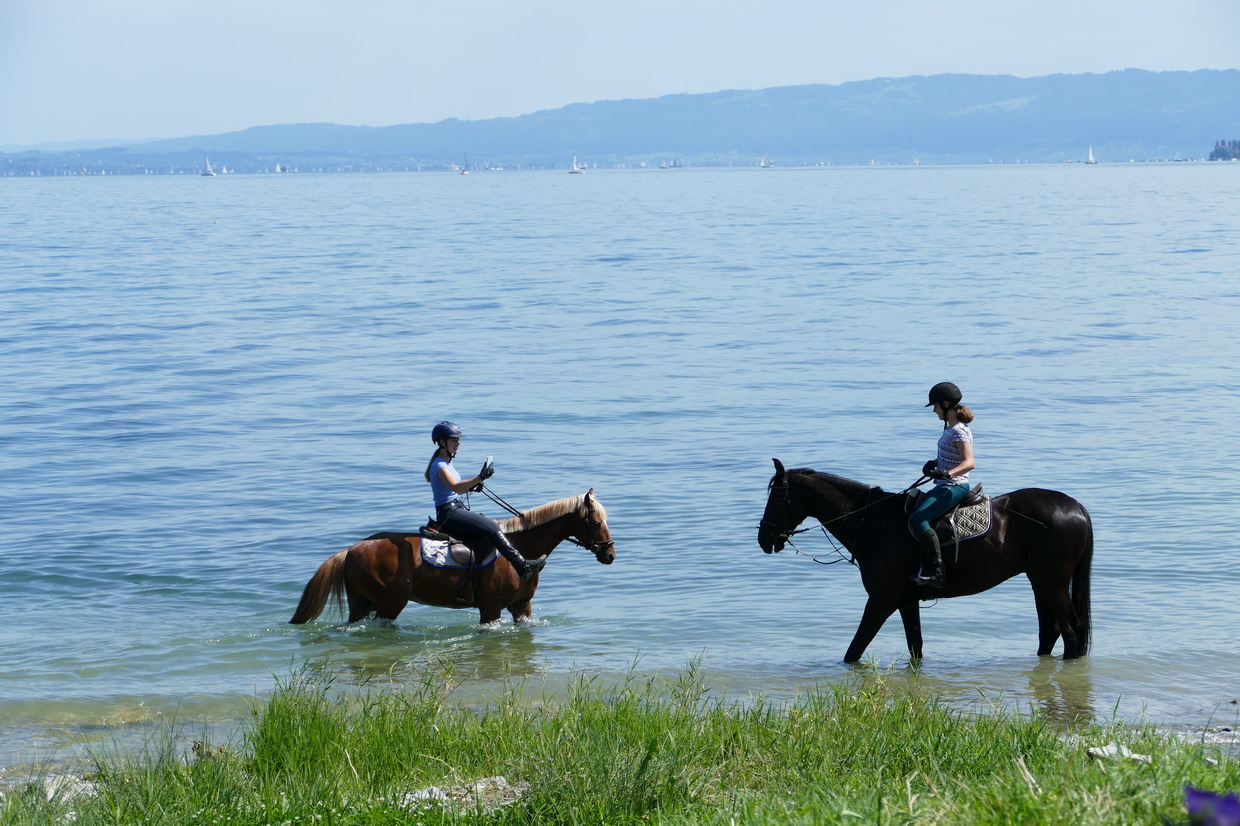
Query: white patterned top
point(950, 455)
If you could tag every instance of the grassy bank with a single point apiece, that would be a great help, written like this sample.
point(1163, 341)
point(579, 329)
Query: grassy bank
point(643, 752)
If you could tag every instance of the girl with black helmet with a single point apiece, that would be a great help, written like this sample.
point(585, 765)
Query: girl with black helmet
point(950, 472)
point(454, 519)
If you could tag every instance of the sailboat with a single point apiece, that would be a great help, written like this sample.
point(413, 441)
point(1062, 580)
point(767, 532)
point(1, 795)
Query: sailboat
point(575, 169)
point(208, 172)
point(1091, 158)
point(766, 161)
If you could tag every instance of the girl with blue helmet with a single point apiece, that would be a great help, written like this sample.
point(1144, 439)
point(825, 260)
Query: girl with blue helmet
point(458, 521)
point(950, 472)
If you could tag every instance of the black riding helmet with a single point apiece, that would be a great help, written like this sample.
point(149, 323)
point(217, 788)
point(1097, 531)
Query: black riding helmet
point(446, 430)
point(945, 391)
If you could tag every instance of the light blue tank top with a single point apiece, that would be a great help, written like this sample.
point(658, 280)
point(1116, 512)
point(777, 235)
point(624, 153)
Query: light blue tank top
point(443, 493)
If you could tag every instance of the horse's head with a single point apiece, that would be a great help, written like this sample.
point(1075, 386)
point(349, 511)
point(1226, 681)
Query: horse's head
point(594, 534)
point(781, 516)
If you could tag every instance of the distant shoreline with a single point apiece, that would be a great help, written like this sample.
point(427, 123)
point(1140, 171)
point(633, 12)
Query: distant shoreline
point(938, 120)
point(102, 169)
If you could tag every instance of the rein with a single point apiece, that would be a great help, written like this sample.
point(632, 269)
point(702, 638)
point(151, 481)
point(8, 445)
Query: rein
point(787, 535)
point(595, 548)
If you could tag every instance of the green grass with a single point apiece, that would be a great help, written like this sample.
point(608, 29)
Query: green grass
point(647, 751)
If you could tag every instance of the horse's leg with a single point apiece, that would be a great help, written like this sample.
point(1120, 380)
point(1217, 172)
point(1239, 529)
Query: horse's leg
point(910, 613)
point(1048, 629)
point(1052, 598)
point(872, 619)
point(390, 607)
point(1060, 604)
point(521, 611)
point(359, 607)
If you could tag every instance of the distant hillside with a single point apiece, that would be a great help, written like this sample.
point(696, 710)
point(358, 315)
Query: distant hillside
point(1131, 114)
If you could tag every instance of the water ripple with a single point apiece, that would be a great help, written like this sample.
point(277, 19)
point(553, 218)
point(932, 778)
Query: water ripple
point(204, 405)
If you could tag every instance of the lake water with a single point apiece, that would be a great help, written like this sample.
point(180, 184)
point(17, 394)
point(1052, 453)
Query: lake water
point(213, 384)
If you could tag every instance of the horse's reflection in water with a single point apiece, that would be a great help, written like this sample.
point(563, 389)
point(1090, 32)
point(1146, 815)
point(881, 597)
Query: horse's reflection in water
point(378, 650)
point(1062, 692)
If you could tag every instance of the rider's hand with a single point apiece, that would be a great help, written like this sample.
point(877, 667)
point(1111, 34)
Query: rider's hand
point(488, 470)
point(929, 468)
point(935, 473)
point(476, 488)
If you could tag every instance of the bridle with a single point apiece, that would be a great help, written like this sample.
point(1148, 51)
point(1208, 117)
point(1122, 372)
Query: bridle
point(785, 534)
point(599, 548)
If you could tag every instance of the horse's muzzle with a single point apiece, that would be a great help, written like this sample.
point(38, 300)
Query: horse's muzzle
point(605, 553)
point(771, 545)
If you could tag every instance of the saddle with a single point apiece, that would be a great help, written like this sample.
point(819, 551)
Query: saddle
point(968, 520)
point(442, 551)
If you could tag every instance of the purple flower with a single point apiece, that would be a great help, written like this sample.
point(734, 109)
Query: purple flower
point(1212, 809)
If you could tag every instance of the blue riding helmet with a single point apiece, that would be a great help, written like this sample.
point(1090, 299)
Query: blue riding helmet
point(446, 430)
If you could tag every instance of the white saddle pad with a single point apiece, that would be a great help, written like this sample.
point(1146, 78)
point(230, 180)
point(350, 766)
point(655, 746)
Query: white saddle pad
point(441, 554)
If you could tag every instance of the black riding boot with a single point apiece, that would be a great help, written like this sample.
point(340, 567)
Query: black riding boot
point(931, 561)
point(525, 568)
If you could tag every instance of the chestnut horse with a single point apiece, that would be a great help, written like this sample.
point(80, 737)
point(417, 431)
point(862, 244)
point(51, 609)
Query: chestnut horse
point(381, 574)
point(1044, 534)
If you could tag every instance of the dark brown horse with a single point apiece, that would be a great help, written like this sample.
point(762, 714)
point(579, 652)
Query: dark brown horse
point(1041, 533)
point(381, 574)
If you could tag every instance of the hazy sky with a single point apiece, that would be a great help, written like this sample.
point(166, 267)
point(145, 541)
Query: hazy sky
point(131, 69)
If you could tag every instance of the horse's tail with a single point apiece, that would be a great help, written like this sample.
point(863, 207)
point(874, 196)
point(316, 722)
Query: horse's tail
point(1080, 590)
point(328, 581)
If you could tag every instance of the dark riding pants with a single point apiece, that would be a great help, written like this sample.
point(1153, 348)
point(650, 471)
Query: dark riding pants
point(475, 530)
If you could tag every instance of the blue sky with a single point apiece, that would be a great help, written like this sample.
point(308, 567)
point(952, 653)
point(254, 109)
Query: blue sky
point(130, 69)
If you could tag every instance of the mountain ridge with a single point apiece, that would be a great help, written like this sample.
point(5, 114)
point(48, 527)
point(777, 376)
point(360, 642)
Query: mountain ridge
point(945, 118)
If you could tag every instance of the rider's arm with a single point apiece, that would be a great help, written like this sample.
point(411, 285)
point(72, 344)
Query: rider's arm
point(967, 464)
point(463, 486)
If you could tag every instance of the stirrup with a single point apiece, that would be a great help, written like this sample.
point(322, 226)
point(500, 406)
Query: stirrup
point(933, 581)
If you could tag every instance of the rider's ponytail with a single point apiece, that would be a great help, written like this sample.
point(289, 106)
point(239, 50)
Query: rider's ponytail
point(963, 413)
point(427, 474)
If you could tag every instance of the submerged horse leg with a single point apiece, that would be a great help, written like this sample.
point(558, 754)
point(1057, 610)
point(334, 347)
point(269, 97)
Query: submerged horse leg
point(521, 611)
point(1048, 629)
point(359, 607)
point(910, 613)
point(1054, 604)
point(875, 614)
point(1059, 604)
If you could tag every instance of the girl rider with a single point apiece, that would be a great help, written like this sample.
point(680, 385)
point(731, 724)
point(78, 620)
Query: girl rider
point(950, 472)
point(474, 529)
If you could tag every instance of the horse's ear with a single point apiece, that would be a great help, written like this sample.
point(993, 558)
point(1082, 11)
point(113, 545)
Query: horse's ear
point(779, 470)
point(589, 494)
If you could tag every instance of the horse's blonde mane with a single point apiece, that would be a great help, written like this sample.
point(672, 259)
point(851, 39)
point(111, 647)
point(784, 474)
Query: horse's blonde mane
point(541, 515)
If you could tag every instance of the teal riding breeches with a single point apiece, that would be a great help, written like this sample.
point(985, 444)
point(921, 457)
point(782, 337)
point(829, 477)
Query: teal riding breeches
point(938, 501)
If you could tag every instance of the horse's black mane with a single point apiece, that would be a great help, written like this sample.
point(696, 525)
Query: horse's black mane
point(837, 480)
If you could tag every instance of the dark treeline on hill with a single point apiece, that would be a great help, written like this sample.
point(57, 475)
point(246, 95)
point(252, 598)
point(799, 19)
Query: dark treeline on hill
point(1124, 115)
